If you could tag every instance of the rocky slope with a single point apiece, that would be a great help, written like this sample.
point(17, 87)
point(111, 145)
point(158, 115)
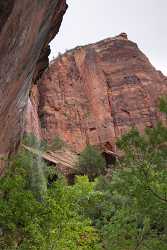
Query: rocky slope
point(95, 93)
point(26, 28)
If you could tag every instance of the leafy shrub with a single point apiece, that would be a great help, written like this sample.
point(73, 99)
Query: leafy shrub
point(91, 162)
point(132, 208)
point(53, 222)
point(31, 140)
point(124, 211)
point(129, 208)
point(57, 144)
point(163, 104)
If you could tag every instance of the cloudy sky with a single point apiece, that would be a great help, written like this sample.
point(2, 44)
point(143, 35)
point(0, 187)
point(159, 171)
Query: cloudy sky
point(145, 22)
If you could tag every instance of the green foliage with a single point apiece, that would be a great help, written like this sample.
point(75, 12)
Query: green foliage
point(91, 162)
point(133, 204)
point(53, 222)
point(35, 172)
point(32, 141)
point(163, 104)
point(129, 208)
point(124, 211)
point(57, 144)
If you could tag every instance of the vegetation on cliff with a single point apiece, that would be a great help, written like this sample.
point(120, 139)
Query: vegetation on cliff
point(34, 215)
point(91, 162)
point(126, 210)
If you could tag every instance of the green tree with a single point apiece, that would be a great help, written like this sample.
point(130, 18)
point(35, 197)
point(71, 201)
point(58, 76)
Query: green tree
point(129, 208)
point(56, 144)
point(53, 222)
point(163, 104)
point(91, 162)
point(133, 207)
point(31, 140)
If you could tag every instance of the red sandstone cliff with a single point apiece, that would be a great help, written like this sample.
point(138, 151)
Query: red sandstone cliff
point(26, 28)
point(95, 93)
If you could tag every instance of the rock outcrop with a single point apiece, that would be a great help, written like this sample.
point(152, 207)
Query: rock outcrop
point(95, 93)
point(26, 28)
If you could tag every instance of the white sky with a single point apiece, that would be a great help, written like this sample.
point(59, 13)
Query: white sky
point(88, 21)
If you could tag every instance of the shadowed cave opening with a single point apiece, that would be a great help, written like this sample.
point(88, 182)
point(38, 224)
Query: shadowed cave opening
point(109, 158)
point(6, 8)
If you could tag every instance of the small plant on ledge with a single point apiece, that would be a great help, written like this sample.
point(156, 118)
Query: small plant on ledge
point(91, 162)
point(56, 144)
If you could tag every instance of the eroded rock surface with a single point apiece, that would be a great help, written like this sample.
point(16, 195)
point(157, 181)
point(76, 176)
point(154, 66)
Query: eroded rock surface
point(95, 93)
point(26, 28)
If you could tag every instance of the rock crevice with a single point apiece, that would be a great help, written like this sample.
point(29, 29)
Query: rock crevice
point(26, 28)
point(95, 93)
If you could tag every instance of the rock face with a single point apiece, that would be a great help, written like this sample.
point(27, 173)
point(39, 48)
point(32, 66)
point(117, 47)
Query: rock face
point(95, 93)
point(26, 28)
point(32, 124)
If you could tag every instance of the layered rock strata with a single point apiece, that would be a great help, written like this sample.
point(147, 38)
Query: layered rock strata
point(95, 93)
point(26, 28)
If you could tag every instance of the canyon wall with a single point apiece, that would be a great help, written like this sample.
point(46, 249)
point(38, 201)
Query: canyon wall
point(95, 93)
point(26, 28)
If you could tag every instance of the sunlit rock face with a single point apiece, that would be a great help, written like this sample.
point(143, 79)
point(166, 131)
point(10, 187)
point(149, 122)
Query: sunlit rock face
point(95, 93)
point(26, 28)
